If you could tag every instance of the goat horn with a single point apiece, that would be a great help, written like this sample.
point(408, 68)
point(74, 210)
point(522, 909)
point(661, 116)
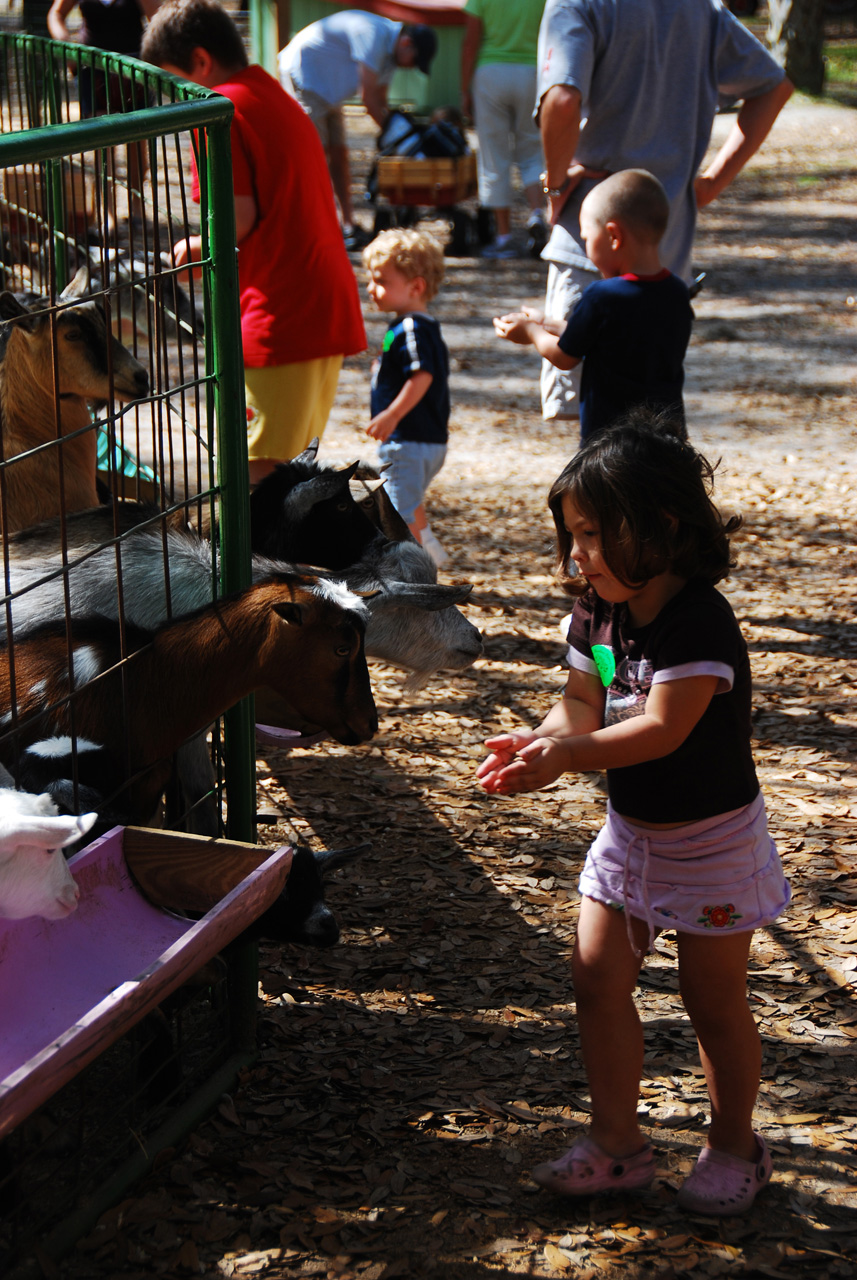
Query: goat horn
point(309, 453)
point(361, 487)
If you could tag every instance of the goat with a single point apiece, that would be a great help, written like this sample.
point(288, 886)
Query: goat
point(74, 353)
point(34, 875)
point(304, 513)
point(298, 634)
point(306, 510)
point(145, 293)
point(412, 621)
point(300, 913)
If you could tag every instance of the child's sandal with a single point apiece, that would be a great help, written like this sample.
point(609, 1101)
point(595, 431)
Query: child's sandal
point(585, 1169)
point(721, 1185)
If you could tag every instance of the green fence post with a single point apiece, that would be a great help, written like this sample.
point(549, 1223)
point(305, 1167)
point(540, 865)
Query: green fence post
point(233, 470)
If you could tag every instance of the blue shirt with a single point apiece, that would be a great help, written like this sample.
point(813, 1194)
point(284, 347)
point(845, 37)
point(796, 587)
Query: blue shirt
point(632, 333)
point(413, 344)
point(326, 56)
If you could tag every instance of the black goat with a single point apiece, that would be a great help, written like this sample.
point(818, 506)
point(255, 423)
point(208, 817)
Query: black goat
point(306, 514)
point(300, 913)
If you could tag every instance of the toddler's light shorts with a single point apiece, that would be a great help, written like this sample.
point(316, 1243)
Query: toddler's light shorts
point(722, 874)
point(413, 466)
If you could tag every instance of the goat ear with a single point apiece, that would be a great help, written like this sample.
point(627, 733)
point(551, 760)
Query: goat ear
point(12, 309)
point(79, 286)
point(330, 859)
point(289, 612)
point(430, 596)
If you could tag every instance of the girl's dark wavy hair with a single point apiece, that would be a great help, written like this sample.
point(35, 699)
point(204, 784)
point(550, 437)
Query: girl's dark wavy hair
point(648, 492)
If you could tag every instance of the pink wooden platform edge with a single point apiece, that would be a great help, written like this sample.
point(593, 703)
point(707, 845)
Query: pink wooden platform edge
point(69, 988)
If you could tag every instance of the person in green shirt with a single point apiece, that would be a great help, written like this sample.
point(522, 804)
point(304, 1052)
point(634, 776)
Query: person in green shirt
point(498, 92)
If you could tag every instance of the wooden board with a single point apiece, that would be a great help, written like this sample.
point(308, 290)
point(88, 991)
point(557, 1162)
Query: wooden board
point(435, 183)
point(188, 873)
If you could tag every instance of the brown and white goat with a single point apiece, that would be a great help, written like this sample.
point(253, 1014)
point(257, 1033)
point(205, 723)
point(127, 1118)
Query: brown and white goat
point(52, 369)
point(301, 635)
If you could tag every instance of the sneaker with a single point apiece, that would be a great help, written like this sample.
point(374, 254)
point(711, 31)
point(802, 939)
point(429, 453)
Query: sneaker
point(355, 237)
point(537, 237)
point(722, 1185)
point(501, 248)
point(585, 1169)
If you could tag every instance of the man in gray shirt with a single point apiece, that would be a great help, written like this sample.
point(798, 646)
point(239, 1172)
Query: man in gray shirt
point(345, 55)
point(635, 84)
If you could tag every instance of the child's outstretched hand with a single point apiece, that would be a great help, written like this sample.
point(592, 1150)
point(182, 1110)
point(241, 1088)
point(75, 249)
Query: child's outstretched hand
point(515, 327)
point(521, 762)
point(503, 749)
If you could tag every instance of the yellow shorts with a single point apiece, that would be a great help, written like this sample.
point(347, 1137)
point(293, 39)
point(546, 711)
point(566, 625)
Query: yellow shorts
point(288, 404)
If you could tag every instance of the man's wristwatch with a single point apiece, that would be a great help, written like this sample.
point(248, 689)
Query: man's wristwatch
point(553, 191)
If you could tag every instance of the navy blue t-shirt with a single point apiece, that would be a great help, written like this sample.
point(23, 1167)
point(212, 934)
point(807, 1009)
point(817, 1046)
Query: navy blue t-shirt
point(632, 333)
point(413, 344)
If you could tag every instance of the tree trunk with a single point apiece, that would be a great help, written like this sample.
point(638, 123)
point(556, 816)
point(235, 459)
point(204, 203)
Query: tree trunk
point(796, 38)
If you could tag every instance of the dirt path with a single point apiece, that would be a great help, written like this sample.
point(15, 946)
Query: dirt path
point(410, 1078)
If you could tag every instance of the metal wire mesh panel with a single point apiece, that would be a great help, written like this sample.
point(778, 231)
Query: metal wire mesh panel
point(122, 394)
point(55, 1165)
point(122, 443)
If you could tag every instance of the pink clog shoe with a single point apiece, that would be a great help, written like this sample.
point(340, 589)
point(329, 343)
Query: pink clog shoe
point(722, 1185)
point(585, 1169)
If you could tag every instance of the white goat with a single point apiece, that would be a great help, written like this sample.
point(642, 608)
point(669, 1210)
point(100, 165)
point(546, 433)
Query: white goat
point(34, 875)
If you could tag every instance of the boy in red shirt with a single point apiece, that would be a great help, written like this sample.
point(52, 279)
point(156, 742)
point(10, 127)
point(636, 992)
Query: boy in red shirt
point(300, 308)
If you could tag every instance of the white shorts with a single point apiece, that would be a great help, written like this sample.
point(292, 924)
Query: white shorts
point(560, 388)
point(413, 466)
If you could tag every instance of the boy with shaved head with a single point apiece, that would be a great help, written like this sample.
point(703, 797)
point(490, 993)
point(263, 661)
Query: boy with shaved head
point(631, 328)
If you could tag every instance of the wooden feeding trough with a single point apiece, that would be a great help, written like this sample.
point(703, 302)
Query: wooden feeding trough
point(118, 1034)
point(69, 988)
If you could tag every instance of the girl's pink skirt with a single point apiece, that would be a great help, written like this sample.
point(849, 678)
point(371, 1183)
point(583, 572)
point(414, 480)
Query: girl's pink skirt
point(719, 875)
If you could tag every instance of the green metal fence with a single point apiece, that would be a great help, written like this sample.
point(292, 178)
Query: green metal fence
point(114, 194)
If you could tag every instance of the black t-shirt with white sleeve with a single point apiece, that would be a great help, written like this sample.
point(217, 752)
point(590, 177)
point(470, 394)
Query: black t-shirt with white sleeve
point(696, 633)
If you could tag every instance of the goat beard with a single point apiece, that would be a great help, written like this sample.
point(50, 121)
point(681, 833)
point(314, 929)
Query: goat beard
point(416, 681)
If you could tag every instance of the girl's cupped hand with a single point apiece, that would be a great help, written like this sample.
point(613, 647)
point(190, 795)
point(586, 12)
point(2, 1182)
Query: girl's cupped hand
point(520, 762)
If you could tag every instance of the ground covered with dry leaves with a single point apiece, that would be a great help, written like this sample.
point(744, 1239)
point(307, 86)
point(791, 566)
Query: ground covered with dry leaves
point(409, 1079)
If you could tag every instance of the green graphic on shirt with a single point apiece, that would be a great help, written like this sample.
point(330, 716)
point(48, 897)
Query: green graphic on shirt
point(603, 658)
point(388, 340)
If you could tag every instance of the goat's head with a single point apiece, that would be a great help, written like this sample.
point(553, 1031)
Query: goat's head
point(91, 364)
point(313, 655)
point(34, 876)
point(306, 513)
point(413, 622)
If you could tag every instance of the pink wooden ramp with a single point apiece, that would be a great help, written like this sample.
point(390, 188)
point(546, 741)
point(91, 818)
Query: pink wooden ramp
point(69, 988)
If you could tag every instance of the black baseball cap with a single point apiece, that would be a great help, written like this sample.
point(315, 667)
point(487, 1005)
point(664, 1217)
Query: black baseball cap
point(425, 43)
